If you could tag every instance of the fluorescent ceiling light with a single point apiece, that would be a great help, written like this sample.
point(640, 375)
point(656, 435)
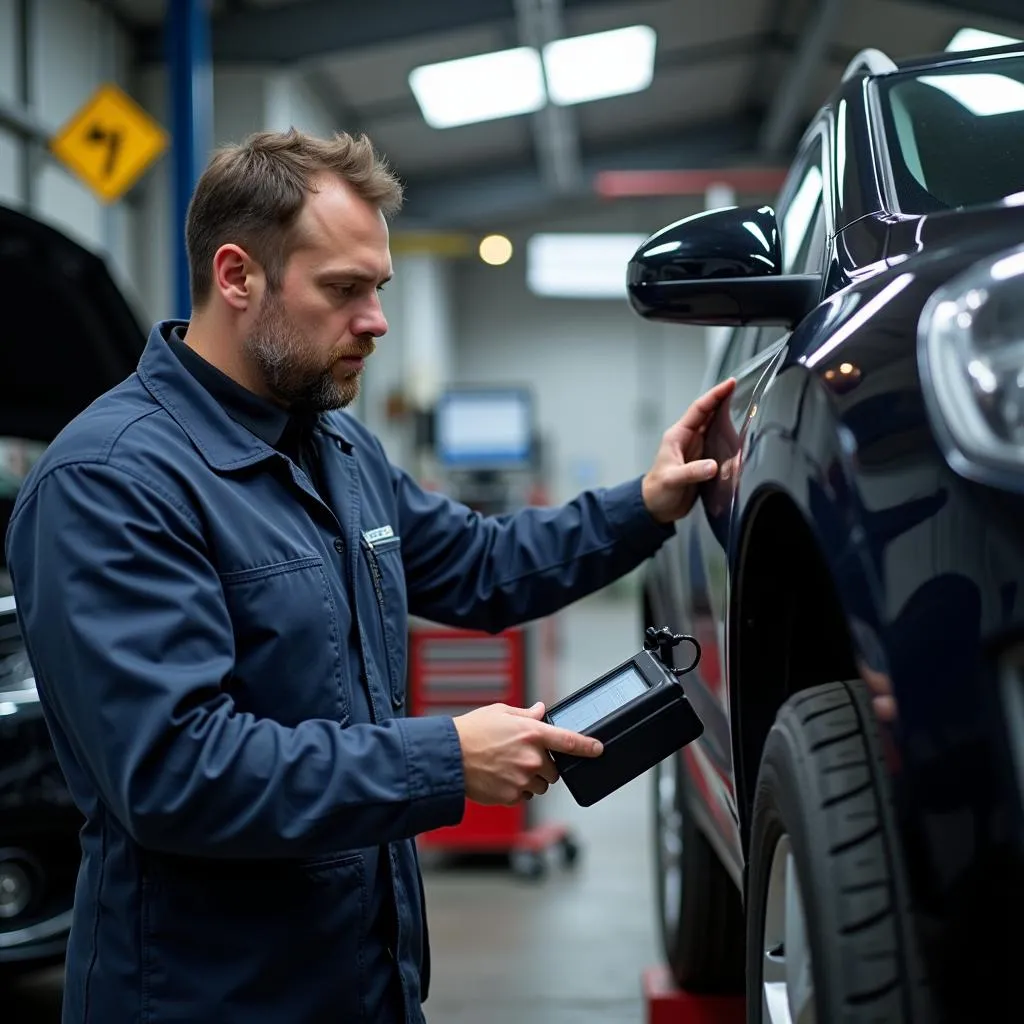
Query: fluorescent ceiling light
point(976, 39)
point(480, 88)
point(593, 67)
point(981, 94)
point(580, 266)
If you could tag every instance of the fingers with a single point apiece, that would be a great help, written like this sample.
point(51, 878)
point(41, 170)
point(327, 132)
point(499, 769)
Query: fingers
point(885, 708)
point(548, 770)
point(703, 409)
point(693, 472)
point(535, 787)
point(562, 741)
point(536, 712)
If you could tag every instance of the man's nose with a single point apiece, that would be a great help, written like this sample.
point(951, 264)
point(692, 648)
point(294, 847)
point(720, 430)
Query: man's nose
point(372, 321)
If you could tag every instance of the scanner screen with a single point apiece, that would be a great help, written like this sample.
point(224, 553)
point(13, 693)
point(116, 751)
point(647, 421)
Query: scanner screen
point(589, 708)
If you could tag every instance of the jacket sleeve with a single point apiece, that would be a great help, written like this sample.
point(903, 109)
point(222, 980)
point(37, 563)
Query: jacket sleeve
point(489, 573)
point(130, 639)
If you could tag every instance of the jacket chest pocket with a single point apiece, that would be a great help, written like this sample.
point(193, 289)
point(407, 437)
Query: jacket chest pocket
point(288, 651)
point(384, 560)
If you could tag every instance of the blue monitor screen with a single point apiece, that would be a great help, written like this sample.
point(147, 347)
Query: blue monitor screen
point(481, 428)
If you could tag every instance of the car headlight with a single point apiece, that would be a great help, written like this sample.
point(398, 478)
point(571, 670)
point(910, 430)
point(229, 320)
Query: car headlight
point(971, 347)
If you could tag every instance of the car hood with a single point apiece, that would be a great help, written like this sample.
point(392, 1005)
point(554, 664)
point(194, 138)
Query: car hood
point(71, 334)
point(17, 683)
point(970, 233)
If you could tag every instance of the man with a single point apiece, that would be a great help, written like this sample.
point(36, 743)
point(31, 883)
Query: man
point(213, 568)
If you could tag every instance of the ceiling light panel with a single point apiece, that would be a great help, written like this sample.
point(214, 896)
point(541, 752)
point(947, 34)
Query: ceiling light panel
point(600, 65)
point(480, 88)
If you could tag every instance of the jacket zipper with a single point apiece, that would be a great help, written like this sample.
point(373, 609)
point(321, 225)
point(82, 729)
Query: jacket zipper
point(378, 586)
point(375, 572)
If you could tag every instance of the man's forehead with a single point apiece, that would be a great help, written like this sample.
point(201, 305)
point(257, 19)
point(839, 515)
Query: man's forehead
point(335, 207)
point(336, 226)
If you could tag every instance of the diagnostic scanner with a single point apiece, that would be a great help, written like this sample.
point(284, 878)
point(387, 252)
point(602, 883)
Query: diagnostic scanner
point(638, 711)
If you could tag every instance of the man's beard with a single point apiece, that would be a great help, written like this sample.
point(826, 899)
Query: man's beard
point(291, 369)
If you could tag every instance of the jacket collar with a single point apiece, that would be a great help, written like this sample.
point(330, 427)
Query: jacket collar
point(224, 443)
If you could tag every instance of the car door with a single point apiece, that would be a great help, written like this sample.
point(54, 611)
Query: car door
point(751, 355)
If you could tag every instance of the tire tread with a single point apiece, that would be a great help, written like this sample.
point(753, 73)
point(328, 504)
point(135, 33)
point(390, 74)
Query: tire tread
point(843, 798)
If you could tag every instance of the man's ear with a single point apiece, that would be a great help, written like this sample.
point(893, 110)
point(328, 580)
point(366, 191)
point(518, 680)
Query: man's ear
point(236, 276)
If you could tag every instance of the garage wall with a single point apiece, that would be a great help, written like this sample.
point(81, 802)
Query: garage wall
point(9, 149)
point(244, 100)
point(9, 192)
point(606, 383)
point(79, 48)
point(290, 102)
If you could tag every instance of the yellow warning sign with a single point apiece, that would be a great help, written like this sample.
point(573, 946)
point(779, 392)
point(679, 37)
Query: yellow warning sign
point(109, 142)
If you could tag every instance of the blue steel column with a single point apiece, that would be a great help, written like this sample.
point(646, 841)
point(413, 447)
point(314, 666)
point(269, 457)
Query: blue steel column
point(190, 96)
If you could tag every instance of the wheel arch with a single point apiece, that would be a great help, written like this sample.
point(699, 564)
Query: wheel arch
point(789, 629)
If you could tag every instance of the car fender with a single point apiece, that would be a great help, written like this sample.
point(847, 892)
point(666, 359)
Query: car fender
point(798, 448)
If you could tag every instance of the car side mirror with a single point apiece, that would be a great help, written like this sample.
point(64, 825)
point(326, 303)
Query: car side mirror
point(720, 268)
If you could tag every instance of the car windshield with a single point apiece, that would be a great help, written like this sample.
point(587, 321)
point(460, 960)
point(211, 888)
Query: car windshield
point(956, 134)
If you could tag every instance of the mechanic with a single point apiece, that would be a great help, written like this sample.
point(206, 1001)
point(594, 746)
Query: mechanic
point(213, 567)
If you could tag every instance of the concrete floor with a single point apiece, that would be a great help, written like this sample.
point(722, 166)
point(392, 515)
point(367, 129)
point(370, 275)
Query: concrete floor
point(568, 949)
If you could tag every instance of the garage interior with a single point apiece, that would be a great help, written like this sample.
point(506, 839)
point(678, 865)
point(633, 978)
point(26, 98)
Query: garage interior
point(714, 121)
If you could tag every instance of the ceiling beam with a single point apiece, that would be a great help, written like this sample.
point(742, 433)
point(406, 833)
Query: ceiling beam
point(688, 57)
point(344, 116)
point(488, 197)
point(308, 29)
point(556, 135)
point(784, 118)
point(1008, 10)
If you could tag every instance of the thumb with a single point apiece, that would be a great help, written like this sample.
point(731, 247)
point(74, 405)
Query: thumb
point(693, 472)
point(536, 712)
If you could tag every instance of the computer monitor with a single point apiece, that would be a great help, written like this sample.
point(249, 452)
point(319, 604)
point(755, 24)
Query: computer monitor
point(484, 428)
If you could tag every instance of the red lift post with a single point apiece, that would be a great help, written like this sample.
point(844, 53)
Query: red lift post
point(664, 1003)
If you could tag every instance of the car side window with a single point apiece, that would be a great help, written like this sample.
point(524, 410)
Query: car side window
point(802, 227)
point(737, 350)
point(802, 217)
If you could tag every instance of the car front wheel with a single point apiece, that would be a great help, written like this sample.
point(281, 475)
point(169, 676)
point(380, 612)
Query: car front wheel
point(828, 934)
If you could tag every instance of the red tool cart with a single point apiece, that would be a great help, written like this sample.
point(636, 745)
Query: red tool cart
point(453, 671)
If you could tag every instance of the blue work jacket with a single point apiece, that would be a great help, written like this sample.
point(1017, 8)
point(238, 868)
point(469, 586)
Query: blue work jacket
point(188, 601)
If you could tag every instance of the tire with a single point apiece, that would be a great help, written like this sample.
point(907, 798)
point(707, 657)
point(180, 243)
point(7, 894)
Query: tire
point(700, 910)
point(822, 830)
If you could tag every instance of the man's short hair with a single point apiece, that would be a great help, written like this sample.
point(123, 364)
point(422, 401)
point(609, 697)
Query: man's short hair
point(251, 194)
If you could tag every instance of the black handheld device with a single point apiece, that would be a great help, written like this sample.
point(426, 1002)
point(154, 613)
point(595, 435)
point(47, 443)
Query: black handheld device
point(638, 710)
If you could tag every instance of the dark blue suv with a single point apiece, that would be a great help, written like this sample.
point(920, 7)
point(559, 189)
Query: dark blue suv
point(846, 841)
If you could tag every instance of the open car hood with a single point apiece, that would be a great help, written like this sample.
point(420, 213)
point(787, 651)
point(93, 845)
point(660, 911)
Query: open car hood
point(69, 336)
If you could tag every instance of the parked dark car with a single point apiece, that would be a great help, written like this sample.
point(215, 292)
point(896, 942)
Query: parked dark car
point(846, 841)
point(70, 337)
